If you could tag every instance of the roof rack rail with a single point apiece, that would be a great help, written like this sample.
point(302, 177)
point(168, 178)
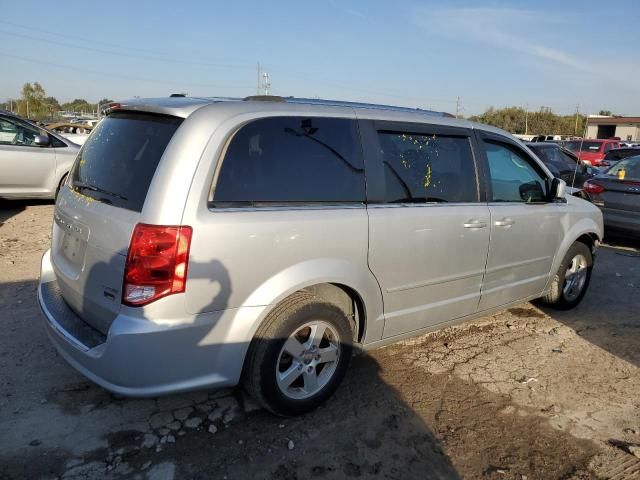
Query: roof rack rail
point(342, 103)
point(264, 98)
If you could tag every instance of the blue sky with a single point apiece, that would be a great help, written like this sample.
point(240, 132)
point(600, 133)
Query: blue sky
point(411, 53)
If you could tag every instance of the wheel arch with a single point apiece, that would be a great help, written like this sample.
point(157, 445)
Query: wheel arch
point(352, 288)
point(585, 231)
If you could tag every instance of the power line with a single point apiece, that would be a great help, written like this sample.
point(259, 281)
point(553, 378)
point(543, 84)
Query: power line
point(121, 54)
point(154, 57)
point(110, 74)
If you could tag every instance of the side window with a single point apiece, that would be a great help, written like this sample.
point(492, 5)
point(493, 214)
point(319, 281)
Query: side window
point(569, 160)
point(513, 178)
point(428, 168)
point(292, 159)
point(16, 133)
point(608, 146)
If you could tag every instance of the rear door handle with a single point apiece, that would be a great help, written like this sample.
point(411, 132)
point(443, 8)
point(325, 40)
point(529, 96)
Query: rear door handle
point(505, 222)
point(474, 224)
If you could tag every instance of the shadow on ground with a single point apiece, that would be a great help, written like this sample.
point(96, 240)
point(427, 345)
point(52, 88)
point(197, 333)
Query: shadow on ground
point(608, 314)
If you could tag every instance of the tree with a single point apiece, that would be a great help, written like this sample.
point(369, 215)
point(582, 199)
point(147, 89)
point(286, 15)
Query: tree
point(32, 103)
point(605, 112)
point(79, 105)
point(542, 122)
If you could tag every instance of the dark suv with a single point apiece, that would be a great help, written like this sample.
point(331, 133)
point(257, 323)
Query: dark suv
point(563, 163)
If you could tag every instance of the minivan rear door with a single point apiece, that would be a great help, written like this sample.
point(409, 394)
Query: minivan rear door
point(428, 227)
point(98, 208)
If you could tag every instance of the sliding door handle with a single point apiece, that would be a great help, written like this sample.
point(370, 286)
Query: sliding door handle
point(505, 222)
point(474, 224)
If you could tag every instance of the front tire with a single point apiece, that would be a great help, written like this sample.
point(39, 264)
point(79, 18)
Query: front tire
point(299, 355)
point(572, 279)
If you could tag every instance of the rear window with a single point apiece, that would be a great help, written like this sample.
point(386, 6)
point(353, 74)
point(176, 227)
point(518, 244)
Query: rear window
point(630, 166)
point(118, 160)
point(619, 153)
point(554, 156)
point(586, 146)
point(292, 160)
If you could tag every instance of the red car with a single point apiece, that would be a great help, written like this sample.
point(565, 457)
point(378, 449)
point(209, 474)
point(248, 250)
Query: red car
point(592, 151)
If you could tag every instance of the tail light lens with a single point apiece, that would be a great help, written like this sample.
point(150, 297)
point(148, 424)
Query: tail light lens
point(156, 264)
point(591, 187)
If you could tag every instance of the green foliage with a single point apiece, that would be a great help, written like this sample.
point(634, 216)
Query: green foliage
point(79, 105)
point(542, 122)
point(35, 104)
point(605, 112)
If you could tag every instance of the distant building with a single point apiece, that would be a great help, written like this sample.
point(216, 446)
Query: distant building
point(625, 128)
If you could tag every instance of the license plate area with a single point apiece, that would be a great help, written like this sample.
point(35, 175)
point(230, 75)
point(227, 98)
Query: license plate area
point(70, 242)
point(73, 248)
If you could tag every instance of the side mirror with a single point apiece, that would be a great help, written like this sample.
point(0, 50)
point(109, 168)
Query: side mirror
point(41, 140)
point(558, 189)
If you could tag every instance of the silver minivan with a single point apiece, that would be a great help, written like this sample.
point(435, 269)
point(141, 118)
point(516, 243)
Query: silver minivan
point(201, 243)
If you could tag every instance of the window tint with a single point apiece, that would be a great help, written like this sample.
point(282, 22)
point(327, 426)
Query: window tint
point(120, 156)
point(15, 132)
point(555, 157)
point(513, 178)
point(427, 168)
point(292, 159)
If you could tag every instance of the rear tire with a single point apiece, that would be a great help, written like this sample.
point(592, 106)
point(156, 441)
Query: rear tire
point(299, 355)
point(571, 281)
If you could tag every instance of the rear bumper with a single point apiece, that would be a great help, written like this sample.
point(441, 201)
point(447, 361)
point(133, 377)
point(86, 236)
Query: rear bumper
point(141, 358)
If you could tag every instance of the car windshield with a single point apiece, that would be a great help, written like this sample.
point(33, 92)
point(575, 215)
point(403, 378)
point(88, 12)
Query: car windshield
point(630, 166)
point(585, 146)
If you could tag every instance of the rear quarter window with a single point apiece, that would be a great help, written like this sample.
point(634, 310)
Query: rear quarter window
point(285, 160)
point(118, 160)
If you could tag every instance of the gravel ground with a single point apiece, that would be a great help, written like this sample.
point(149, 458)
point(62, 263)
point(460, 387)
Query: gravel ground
point(525, 394)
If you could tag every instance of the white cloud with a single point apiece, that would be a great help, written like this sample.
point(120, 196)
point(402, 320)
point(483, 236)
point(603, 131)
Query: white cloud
point(500, 27)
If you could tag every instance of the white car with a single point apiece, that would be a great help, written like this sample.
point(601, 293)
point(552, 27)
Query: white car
point(33, 161)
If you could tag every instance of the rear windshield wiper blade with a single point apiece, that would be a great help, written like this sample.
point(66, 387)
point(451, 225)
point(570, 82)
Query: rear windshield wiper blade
point(93, 188)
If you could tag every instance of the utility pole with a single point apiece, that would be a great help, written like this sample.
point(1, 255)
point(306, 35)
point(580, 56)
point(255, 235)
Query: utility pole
point(575, 131)
point(258, 78)
point(526, 119)
point(267, 83)
point(458, 107)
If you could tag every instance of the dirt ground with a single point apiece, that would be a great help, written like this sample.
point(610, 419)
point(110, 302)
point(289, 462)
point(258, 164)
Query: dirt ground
point(525, 394)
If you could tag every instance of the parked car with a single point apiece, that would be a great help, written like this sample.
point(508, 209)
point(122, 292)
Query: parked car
point(616, 154)
point(563, 163)
point(76, 132)
point(203, 243)
point(34, 161)
point(592, 151)
point(617, 193)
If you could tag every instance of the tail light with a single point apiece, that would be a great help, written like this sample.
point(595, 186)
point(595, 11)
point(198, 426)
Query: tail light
point(156, 264)
point(591, 187)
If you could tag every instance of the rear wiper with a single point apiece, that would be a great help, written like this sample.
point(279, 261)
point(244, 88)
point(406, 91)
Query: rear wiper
point(93, 188)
